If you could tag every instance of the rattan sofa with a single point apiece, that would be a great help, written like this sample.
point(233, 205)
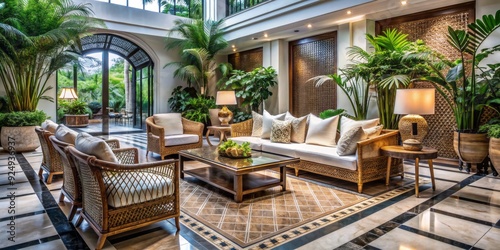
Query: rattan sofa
point(157, 141)
point(121, 197)
point(370, 165)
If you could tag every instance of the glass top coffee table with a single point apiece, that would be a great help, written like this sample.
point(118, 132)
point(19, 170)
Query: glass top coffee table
point(236, 176)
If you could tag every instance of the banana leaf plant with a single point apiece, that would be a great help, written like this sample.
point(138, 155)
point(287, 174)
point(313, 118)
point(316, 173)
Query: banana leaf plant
point(467, 84)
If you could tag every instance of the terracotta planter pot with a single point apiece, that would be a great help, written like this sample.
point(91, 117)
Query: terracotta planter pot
point(77, 121)
point(473, 147)
point(495, 152)
point(21, 139)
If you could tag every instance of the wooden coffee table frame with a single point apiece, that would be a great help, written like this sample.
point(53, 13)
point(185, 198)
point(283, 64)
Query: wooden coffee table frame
point(237, 181)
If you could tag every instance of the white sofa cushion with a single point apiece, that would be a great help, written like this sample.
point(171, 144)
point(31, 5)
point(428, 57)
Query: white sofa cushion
point(174, 140)
point(347, 144)
point(171, 123)
point(257, 124)
point(255, 142)
point(299, 127)
point(347, 124)
point(50, 126)
point(325, 155)
point(267, 123)
point(66, 134)
point(287, 149)
point(95, 146)
point(127, 188)
point(374, 131)
point(322, 132)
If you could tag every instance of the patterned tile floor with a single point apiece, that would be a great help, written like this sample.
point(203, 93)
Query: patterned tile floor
point(463, 213)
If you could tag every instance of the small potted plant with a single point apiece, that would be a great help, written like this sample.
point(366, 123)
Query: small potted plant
point(492, 128)
point(76, 113)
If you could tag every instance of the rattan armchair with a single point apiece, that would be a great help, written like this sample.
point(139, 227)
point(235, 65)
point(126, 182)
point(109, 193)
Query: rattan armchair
point(157, 141)
point(51, 162)
point(72, 187)
point(121, 197)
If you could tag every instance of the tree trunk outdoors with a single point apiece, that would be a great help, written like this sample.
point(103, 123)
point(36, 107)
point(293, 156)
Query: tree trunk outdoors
point(128, 87)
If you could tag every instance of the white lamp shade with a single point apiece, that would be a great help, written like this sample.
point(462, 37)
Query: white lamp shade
point(415, 101)
point(225, 98)
point(68, 93)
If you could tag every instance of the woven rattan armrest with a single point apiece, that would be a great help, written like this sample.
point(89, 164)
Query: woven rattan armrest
point(155, 129)
point(192, 127)
point(242, 128)
point(127, 155)
point(371, 147)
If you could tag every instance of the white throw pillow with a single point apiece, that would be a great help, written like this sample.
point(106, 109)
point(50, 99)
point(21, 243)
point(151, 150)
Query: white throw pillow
point(322, 132)
point(257, 124)
point(65, 134)
point(347, 124)
point(171, 122)
point(374, 131)
point(267, 123)
point(95, 146)
point(50, 126)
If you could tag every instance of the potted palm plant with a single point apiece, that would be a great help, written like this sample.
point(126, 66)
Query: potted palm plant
point(467, 85)
point(492, 128)
point(31, 51)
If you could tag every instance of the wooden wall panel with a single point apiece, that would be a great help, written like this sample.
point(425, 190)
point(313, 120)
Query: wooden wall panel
point(311, 57)
point(246, 60)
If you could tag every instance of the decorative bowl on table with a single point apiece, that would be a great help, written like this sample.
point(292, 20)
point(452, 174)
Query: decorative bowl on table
point(412, 145)
point(233, 150)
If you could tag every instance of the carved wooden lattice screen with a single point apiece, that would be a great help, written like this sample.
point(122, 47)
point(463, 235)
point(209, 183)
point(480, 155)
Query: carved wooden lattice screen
point(432, 27)
point(246, 60)
point(311, 57)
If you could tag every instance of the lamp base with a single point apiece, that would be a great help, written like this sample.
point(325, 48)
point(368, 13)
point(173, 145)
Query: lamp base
point(413, 127)
point(225, 116)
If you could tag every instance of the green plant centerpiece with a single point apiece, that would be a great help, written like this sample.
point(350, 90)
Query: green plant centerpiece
point(467, 85)
point(232, 149)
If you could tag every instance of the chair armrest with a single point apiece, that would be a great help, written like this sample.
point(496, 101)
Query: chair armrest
point(113, 143)
point(127, 155)
point(242, 128)
point(155, 130)
point(192, 127)
point(371, 147)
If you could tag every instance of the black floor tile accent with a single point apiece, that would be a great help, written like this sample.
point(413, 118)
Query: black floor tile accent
point(475, 201)
point(66, 230)
point(436, 237)
point(18, 216)
point(32, 243)
point(458, 216)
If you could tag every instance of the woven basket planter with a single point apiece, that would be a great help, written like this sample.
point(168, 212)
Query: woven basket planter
point(471, 147)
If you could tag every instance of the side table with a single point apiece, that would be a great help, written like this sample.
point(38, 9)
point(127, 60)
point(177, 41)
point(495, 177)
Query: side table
point(398, 152)
point(222, 131)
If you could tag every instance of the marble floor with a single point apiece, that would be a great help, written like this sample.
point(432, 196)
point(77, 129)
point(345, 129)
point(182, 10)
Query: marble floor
point(462, 213)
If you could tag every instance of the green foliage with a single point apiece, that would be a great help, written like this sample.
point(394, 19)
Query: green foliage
point(253, 87)
point(185, 8)
point(22, 118)
point(240, 115)
point(76, 107)
point(331, 113)
point(198, 109)
point(234, 149)
point(95, 107)
point(466, 85)
point(492, 128)
point(35, 35)
point(387, 69)
point(3, 105)
point(201, 42)
point(179, 100)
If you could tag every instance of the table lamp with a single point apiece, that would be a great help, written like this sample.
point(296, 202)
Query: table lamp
point(225, 98)
point(68, 94)
point(413, 127)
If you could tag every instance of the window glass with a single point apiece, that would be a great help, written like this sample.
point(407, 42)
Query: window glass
point(135, 3)
point(120, 2)
point(152, 6)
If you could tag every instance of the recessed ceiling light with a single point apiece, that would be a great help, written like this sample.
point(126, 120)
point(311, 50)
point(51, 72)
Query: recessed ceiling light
point(265, 34)
point(309, 26)
point(404, 2)
point(233, 46)
point(349, 12)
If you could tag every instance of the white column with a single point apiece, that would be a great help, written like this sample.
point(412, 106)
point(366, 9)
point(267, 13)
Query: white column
point(275, 54)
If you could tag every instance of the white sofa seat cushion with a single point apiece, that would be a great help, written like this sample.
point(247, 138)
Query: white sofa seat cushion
point(128, 188)
point(171, 123)
point(255, 142)
point(325, 155)
point(287, 149)
point(174, 140)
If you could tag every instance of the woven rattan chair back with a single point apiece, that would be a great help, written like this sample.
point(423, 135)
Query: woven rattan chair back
point(51, 162)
